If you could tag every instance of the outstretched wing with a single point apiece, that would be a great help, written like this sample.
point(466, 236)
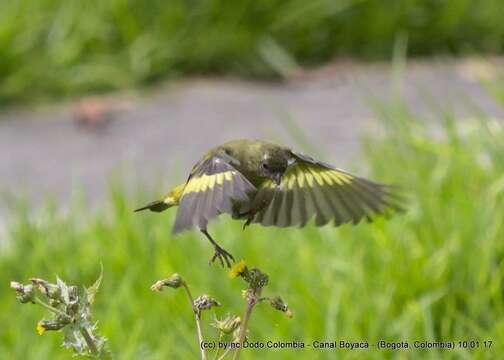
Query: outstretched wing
point(213, 188)
point(310, 188)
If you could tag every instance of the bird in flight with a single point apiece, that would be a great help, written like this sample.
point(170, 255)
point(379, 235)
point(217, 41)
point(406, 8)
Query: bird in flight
point(271, 185)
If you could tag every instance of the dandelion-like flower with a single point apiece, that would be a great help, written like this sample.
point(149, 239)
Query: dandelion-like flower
point(238, 269)
point(40, 328)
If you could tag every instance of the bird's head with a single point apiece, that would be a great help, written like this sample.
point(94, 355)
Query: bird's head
point(273, 164)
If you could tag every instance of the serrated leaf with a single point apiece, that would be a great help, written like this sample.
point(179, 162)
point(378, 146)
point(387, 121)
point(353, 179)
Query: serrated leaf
point(73, 339)
point(64, 290)
point(93, 289)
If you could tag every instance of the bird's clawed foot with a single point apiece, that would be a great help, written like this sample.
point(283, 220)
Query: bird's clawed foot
point(220, 253)
point(247, 223)
point(223, 256)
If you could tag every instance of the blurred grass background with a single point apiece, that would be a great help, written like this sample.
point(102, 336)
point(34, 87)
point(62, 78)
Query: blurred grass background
point(55, 48)
point(434, 273)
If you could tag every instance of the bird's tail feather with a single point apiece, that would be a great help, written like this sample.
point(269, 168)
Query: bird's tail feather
point(171, 199)
point(157, 206)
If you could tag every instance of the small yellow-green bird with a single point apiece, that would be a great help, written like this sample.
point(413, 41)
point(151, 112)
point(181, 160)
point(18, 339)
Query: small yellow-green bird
point(271, 185)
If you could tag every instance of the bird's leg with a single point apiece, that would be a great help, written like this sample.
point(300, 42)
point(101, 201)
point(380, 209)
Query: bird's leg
point(247, 223)
point(220, 253)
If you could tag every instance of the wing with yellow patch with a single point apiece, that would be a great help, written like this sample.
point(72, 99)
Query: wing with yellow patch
point(214, 187)
point(313, 189)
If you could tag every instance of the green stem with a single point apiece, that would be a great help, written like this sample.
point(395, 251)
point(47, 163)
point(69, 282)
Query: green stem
point(251, 302)
point(221, 336)
point(89, 341)
point(52, 309)
point(197, 317)
point(225, 353)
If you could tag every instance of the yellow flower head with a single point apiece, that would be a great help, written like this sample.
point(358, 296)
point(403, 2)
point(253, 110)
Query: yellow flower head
point(40, 328)
point(237, 269)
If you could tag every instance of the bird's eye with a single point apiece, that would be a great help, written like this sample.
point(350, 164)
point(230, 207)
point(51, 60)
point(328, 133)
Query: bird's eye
point(265, 166)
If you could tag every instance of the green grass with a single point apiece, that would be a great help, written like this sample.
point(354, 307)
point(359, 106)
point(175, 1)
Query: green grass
point(53, 48)
point(434, 273)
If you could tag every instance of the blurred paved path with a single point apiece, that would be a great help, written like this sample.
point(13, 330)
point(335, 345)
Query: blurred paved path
point(44, 154)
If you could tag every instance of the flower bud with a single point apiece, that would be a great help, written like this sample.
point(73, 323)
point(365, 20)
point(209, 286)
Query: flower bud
point(174, 281)
point(205, 302)
point(49, 325)
point(24, 293)
point(52, 291)
point(227, 325)
point(278, 304)
point(256, 279)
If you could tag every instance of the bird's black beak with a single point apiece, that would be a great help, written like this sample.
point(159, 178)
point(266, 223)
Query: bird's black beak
point(278, 178)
